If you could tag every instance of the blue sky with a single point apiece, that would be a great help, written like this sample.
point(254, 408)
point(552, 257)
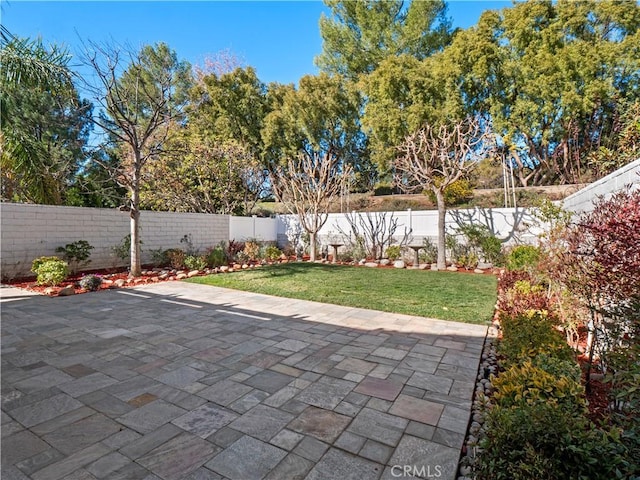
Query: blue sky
point(279, 39)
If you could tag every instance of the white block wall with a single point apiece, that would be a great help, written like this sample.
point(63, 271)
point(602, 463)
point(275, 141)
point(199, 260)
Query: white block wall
point(582, 200)
point(29, 231)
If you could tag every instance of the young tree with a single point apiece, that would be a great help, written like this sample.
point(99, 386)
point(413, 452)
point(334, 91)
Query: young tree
point(306, 187)
point(435, 157)
point(138, 107)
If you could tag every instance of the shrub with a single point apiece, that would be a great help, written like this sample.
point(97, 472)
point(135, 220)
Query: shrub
point(189, 249)
point(457, 193)
point(524, 298)
point(232, 249)
point(468, 260)
point(483, 243)
point(216, 257)
point(529, 335)
point(76, 253)
point(272, 253)
point(429, 252)
point(544, 441)
point(193, 262)
point(251, 249)
point(393, 252)
point(383, 188)
point(159, 257)
point(123, 249)
point(523, 257)
point(526, 384)
point(50, 270)
point(176, 257)
point(91, 282)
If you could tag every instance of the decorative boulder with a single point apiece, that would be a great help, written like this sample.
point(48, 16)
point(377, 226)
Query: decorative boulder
point(181, 276)
point(193, 273)
point(452, 268)
point(399, 264)
point(371, 264)
point(120, 282)
point(66, 291)
point(484, 265)
point(384, 262)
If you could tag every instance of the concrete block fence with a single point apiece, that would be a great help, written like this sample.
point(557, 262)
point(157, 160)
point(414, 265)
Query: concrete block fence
point(28, 231)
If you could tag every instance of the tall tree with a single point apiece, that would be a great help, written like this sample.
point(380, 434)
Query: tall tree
point(435, 157)
point(44, 123)
point(554, 76)
point(360, 34)
point(306, 186)
point(320, 117)
point(139, 107)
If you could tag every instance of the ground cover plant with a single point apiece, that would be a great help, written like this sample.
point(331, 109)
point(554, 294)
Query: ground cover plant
point(445, 295)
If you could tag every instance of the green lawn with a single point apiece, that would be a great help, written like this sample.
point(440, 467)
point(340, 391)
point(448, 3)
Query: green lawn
point(445, 295)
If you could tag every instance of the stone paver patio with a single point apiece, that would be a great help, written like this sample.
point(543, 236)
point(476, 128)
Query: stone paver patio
point(184, 381)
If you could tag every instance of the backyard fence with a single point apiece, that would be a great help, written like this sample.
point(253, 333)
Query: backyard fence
point(582, 200)
point(29, 231)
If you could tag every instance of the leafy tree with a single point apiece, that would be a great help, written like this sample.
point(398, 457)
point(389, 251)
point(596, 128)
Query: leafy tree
point(436, 157)
point(554, 76)
point(44, 123)
point(320, 117)
point(360, 34)
point(44, 141)
point(139, 107)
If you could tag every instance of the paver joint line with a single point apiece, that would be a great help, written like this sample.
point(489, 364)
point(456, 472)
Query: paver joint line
point(244, 386)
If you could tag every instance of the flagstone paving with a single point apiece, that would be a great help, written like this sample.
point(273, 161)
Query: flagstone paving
point(184, 381)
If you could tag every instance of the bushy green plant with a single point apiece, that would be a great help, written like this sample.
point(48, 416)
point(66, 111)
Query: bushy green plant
point(382, 188)
point(272, 253)
point(523, 257)
point(526, 384)
point(176, 258)
point(159, 257)
point(216, 257)
point(545, 441)
point(76, 254)
point(429, 252)
point(393, 252)
point(91, 282)
point(529, 335)
point(123, 249)
point(468, 260)
point(480, 240)
point(50, 270)
point(458, 193)
point(193, 262)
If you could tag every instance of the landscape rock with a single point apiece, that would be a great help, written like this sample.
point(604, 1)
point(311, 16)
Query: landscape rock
point(371, 264)
point(66, 291)
point(193, 273)
point(424, 266)
point(224, 269)
point(477, 270)
point(120, 282)
point(384, 262)
point(181, 276)
point(452, 268)
point(399, 264)
point(485, 265)
point(434, 267)
point(50, 291)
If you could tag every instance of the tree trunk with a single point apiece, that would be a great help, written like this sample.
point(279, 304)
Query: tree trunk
point(312, 246)
point(135, 269)
point(442, 212)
